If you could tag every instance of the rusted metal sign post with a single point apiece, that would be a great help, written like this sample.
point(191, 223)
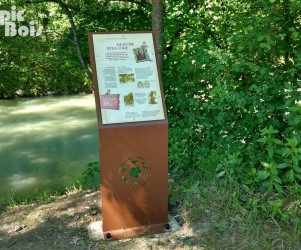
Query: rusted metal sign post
point(133, 133)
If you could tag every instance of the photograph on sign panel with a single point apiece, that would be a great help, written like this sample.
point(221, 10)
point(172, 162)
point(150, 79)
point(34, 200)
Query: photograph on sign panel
point(141, 53)
point(126, 78)
point(128, 99)
point(152, 97)
point(143, 84)
point(110, 101)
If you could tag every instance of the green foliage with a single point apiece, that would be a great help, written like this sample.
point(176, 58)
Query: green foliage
point(48, 64)
point(38, 196)
point(228, 167)
point(282, 162)
point(235, 77)
point(231, 78)
point(185, 187)
point(90, 178)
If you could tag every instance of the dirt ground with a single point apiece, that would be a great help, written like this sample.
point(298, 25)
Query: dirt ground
point(63, 223)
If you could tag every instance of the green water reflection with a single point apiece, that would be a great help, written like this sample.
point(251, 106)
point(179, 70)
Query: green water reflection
point(45, 143)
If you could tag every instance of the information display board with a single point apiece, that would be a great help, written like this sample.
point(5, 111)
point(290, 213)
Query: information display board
point(133, 134)
point(127, 76)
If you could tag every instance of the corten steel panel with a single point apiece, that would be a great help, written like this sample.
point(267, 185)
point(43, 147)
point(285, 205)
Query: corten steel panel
point(133, 206)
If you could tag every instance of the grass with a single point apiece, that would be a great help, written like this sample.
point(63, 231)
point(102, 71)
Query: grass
point(228, 217)
point(38, 196)
point(88, 180)
point(226, 224)
point(219, 213)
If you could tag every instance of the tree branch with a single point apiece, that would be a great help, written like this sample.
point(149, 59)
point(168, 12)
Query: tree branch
point(65, 8)
point(157, 26)
point(75, 37)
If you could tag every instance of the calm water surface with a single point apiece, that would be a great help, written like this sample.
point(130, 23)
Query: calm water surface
point(46, 143)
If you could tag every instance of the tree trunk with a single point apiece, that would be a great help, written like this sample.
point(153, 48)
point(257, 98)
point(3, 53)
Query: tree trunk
point(75, 38)
point(157, 26)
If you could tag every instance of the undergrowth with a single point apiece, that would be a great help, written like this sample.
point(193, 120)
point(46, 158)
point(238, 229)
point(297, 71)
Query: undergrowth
point(239, 218)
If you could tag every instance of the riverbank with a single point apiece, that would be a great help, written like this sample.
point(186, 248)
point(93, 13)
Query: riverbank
point(210, 221)
point(58, 224)
point(63, 223)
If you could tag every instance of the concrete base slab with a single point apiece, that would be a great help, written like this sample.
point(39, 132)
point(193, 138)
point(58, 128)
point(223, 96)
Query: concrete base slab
point(95, 229)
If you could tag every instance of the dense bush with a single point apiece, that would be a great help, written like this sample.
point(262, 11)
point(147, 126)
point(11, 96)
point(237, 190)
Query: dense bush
point(236, 89)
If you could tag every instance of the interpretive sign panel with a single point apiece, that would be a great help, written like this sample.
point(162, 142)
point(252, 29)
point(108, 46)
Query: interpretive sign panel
point(133, 134)
point(127, 76)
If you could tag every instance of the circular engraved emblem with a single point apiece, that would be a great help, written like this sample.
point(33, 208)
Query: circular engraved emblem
point(134, 172)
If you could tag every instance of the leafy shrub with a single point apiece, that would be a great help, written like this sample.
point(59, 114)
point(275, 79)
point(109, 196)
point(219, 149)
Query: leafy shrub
point(91, 176)
point(235, 90)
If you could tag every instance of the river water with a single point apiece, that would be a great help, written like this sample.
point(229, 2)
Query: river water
point(46, 143)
